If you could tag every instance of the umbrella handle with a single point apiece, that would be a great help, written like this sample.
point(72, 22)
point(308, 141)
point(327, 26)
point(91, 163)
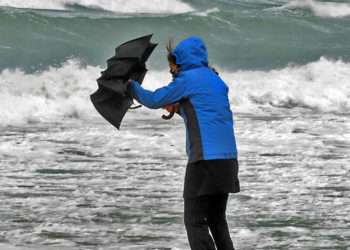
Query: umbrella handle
point(168, 116)
point(135, 107)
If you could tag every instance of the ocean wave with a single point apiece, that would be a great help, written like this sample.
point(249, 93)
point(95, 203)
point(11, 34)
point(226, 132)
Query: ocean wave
point(45, 96)
point(322, 9)
point(63, 92)
point(118, 6)
point(321, 86)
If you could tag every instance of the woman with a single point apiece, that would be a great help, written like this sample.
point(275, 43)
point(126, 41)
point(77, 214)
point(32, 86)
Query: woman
point(201, 98)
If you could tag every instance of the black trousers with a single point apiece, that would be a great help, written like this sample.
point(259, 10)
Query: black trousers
point(204, 213)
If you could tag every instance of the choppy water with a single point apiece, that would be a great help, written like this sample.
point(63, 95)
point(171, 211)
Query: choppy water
point(85, 186)
point(69, 180)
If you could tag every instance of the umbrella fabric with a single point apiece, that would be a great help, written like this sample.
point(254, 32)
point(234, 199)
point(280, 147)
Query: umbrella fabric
point(111, 99)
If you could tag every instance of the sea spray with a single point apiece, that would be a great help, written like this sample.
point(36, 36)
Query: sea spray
point(46, 96)
point(63, 92)
point(322, 86)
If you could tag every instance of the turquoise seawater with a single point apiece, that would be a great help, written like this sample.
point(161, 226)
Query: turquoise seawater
point(242, 34)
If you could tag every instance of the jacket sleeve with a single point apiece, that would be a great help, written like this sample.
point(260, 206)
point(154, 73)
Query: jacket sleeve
point(160, 97)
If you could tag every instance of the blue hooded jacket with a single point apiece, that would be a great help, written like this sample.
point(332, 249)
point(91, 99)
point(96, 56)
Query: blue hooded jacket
point(204, 103)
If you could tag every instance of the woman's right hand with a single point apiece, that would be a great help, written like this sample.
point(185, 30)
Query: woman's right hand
point(172, 108)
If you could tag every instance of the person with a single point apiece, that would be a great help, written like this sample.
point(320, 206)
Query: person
point(200, 96)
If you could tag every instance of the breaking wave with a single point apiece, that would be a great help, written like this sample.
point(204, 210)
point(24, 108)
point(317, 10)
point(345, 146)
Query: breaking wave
point(63, 92)
point(56, 93)
point(322, 86)
point(322, 9)
point(119, 6)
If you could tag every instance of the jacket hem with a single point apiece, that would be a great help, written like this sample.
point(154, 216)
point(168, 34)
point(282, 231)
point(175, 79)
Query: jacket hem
point(213, 157)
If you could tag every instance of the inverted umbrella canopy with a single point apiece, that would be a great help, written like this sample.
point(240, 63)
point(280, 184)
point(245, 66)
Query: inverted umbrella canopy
point(111, 99)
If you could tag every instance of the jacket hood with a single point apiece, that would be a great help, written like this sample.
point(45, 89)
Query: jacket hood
point(191, 53)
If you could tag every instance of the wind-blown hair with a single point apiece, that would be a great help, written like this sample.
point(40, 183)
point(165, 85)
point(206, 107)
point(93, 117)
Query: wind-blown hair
point(172, 58)
point(169, 48)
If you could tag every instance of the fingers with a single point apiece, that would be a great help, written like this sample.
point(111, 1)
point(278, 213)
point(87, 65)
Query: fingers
point(176, 107)
point(171, 108)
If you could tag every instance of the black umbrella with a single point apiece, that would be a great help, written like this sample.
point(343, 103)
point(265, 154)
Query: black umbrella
point(111, 99)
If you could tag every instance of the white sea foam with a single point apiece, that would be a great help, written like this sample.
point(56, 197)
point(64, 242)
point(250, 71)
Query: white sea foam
point(323, 85)
point(207, 12)
point(63, 92)
point(322, 9)
point(57, 92)
point(119, 6)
